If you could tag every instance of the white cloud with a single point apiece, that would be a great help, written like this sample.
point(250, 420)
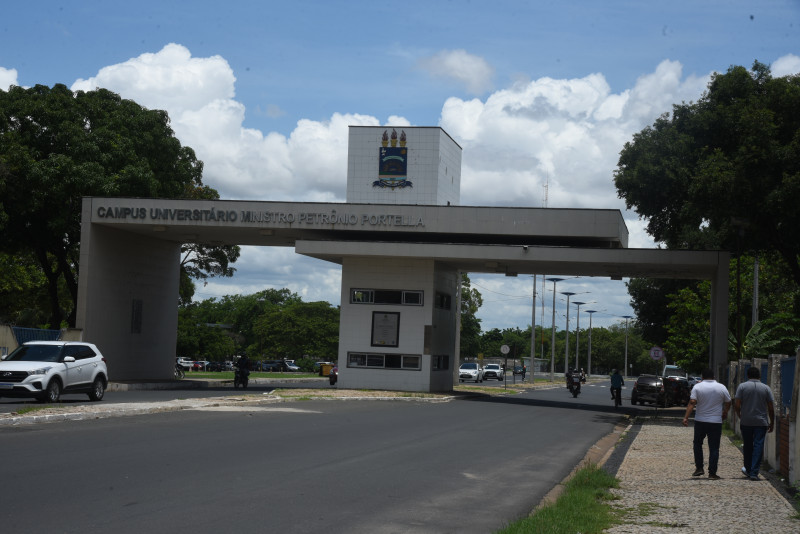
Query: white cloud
point(786, 65)
point(473, 72)
point(8, 77)
point(566, 134)
point(170, 79)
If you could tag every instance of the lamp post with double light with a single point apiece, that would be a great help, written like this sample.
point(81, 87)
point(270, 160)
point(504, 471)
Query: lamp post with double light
point(553, 330)
point(578, 332)
point(627, 318)
point(568, 294)
point(589, 352)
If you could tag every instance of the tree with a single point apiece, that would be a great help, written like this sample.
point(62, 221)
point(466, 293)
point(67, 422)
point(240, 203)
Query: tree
point(689, 327)
point(723, 172)
point(650, 302)
point(57, 146)
point(297, 329)
point(471, 301)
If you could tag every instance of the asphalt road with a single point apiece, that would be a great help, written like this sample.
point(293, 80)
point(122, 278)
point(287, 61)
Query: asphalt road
point(467, 466)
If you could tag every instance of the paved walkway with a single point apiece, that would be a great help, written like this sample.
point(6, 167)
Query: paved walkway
point(660, 495)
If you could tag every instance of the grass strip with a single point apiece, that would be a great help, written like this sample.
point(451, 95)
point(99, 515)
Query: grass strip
point(582, 507)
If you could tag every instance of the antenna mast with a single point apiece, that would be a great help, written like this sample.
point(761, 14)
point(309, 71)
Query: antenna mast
point(546, 187)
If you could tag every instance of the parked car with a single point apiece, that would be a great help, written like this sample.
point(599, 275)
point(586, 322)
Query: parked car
point(184, 363)
point(215, 366)
point(279, 366)
point(200, 365)
point(517, 369)
point(470, 371)
point(45, 369)
point(694, 380)
point(653, 389)
point(493, 370)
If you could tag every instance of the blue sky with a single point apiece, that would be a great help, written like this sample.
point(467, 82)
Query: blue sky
point(537, 93)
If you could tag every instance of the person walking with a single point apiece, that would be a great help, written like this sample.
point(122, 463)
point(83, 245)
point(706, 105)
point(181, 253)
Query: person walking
point(713, 402)
point(754, 405)
point(616, 387)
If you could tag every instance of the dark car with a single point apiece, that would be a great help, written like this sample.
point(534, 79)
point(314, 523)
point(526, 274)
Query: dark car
point(517, 369)
point(653, 389)
point(215, 366)
point(278, 366)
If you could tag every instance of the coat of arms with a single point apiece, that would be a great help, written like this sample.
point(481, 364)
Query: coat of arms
point(393, 162)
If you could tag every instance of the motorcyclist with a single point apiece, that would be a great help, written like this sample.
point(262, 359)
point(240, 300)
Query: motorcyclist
point(243, 364)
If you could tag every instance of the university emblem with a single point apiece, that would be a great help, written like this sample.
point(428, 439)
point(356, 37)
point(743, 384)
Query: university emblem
point(393, 162)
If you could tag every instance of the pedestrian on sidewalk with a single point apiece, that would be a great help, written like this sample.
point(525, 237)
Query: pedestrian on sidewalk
point(713, 402)
point(754, 405)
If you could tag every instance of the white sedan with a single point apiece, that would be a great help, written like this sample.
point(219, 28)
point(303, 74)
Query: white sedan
point(470, 371)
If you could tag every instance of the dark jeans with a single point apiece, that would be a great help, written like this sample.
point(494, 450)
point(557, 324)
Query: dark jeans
point(616, 394)
point(753, 447)
point(714, 433)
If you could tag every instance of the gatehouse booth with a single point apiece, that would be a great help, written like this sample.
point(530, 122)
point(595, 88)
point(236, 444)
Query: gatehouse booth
point(402, 240)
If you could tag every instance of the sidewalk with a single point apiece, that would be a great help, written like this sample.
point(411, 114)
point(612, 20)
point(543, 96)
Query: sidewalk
point(659, 494)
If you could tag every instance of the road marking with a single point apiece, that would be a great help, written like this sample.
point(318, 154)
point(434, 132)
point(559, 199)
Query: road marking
point(250, 409)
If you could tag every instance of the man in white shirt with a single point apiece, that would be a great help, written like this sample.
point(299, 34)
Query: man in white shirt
point(713, 402)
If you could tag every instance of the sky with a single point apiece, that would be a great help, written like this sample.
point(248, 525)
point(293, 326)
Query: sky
point(540, 95)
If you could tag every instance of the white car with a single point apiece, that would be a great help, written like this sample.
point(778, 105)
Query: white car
point(493, 370)
point(470, 371)
point(46, 369)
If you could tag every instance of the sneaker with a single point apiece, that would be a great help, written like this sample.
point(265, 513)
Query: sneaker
point(698, 473)
point(714, 476)
point(755, 477)
point(745, 473)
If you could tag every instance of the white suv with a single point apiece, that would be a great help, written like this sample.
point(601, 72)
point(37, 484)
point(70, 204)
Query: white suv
point(45, 369)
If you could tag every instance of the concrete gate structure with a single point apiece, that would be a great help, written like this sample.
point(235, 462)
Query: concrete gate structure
point(402, 240)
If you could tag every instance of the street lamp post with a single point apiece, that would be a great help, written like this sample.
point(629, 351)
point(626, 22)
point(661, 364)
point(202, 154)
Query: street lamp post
point(553, 329)
point(533, 329)
point(578, 333)
point(589, 352)
point(566, 340)
point(627, 318)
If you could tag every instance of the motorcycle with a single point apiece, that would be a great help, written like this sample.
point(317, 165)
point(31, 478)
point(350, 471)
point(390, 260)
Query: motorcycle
point(240, 377)
point(575, 384)
point(179, 372)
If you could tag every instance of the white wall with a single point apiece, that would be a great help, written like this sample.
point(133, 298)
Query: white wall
point(433, 165)
point(355, 331)
point(116, 269)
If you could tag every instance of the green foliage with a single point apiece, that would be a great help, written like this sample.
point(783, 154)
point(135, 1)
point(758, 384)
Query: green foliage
point(649, 300)
point(57, 146)
point(471, 301)
point(689, 327)
point(775, 335)
point(297, 329)
point(723, 172)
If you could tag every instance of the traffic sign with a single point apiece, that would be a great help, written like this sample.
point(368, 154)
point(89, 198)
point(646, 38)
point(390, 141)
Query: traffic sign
point(657, 353)
point(504, 349)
